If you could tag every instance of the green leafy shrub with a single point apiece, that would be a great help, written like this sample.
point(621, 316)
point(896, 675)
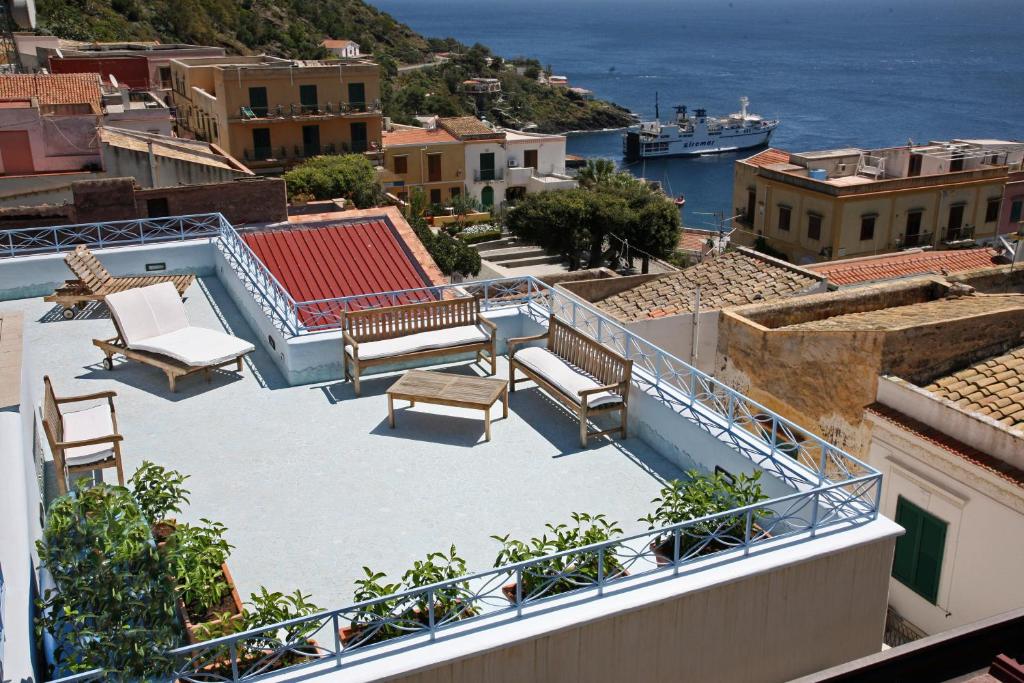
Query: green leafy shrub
point(567, 572)
point(196, 554)
point(113, 606)
point(481, 232)
point(702, 495)
point(158, 491)
point(350, 176)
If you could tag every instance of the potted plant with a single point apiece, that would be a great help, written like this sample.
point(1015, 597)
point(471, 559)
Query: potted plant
point(268, 651)
point(197, 556)
point(699, 496)
point(566, 572)
point(112, 606)
point(159, 491)
point(393, 618)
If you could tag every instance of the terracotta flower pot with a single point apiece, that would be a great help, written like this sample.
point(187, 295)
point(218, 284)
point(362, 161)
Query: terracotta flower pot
point(235, 608)
point(509, 589)
point(162, 531)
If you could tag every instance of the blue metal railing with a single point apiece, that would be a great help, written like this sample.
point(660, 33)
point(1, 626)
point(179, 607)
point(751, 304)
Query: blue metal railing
point(60, 238)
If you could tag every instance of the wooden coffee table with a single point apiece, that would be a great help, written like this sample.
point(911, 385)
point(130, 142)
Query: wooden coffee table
point(445, 389)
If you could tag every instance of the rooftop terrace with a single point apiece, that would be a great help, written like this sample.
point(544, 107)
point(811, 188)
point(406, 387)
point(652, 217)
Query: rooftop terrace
point(313, 484)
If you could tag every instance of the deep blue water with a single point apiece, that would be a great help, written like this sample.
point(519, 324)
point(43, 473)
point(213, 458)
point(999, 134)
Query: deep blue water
point(837, 72)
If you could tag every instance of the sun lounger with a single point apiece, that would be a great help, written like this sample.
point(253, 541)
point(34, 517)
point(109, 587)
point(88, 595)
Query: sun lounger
point(152, 328)
point(95, 282)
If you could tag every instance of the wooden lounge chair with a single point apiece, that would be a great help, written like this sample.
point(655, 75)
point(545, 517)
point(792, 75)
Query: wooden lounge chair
point(580, 372)
point(153, 328)
point(95, 282)
point(81, 440)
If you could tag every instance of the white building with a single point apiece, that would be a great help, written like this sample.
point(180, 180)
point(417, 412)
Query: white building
point(505, 165)
point(960, 499)
point(341, 48)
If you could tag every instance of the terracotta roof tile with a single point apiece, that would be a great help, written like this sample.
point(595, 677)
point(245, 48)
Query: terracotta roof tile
point(334, 44)
point(468, 127)
point(53, 88)
point(905, 264)
point(972, 455)
point(768, 157)
point(694, 241)
point(416, 136)
point(993, 389)
point(732, 279)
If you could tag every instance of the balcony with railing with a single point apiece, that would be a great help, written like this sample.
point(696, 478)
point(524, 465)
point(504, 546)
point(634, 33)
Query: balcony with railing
point(381, 497)
point(917, 239)
point(964, 232)
point(487, 175)
point(295, 110)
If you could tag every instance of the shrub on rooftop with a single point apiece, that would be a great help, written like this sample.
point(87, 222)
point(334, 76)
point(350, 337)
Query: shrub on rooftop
point(349, 176)
point(196, 555)
point(113, 605)
point(159, 492)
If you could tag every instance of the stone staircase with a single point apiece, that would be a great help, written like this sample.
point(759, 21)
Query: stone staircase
point(508, 253)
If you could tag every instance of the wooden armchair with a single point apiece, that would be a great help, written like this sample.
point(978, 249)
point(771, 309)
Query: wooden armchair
point(81, 440)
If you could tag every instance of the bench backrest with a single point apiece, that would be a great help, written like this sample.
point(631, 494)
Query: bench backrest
point(52, 420)
point(391, 322)
point(87, 268)
point(589, 355)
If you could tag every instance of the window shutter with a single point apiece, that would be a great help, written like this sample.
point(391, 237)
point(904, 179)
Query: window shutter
point(908, 517)
point(918, 559)
point(929, 562)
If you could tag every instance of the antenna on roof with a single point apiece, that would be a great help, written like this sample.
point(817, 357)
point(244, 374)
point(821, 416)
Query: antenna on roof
point(60, 55)
point(113, 81)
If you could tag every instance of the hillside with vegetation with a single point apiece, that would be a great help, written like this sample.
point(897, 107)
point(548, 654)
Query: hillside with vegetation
point(294, 29)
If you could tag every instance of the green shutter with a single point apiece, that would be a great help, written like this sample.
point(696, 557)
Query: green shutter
point(918, 559)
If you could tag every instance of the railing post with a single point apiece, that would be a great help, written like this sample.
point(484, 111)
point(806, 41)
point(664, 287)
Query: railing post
point(821, 462)
point(233, 653)
point(878, 497)
point(336, 627)
point(814, 513)
point(749, 523)
point(775, 432)
point(732, 411)
point(430, 614)
point(519, 591)
point(600, 570)
point(677, 542)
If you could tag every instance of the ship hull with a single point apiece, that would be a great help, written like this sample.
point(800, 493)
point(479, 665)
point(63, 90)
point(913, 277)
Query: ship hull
point(635, 147)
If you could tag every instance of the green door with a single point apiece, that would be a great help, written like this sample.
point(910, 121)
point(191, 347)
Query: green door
point(487, 197)
point(308, 99)
point(310, 141)
point(359, 137)
point(258, 101)
point(487, 166)
point(357, 96)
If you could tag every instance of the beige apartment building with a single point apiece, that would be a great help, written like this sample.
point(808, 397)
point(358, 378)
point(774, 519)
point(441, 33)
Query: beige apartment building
point(844, 203)
point(272, 113)
point(427, 158)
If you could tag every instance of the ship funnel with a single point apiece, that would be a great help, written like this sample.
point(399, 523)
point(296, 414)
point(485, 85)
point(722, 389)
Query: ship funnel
point(744, 101)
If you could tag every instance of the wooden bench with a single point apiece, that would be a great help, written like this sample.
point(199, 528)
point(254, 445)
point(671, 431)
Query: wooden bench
point(380, 336)
point(586, 376)
point(95, 282)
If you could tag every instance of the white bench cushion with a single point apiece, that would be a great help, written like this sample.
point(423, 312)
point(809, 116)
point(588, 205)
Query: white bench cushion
point(196, 346)
point(88, 423)
point(420, 341)
point(146, 312)
point(564, 376)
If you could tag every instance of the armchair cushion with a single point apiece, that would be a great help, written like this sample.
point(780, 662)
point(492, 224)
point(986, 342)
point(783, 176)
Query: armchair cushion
point(421, 341)
point(560, 374)
point(88, 423)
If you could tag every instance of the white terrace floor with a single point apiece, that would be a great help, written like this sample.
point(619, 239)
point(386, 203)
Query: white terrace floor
point(311, 482)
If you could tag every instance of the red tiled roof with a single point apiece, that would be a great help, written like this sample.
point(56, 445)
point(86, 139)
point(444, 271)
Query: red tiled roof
point(416, 136)
point(768, 157)
point(914, 262)
point(338, 43)
point(972, 455)
point(693, 240)
point(333, 261)
point(53, 88)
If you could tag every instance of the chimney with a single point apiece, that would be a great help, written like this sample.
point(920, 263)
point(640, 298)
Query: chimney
point(126, 98)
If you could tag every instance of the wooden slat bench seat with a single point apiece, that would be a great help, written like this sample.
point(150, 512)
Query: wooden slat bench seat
point(95, 282)
point(381, 336)
point(586, 376)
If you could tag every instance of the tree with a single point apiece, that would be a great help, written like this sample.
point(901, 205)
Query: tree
point(596, 172)
point(451, 255)
point(350, 176)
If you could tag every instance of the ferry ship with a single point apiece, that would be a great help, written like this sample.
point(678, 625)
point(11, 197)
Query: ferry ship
point(696, 134)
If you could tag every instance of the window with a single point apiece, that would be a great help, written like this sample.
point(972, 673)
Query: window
point(261, 143)
point(1015, 210)
point(914, 167)
point(956, 163)
point(867, 228)
point(357, 96)
point(358, 134)
point(487, 166)
point(402, 164)
point(784, 215)
point(992, 210)
point(433, 168)
point(258, 101)
point(813, 226)
point(310, 141)
point(165, 77)
point(308, 98)
point(435, 196)
point(918, 561)
point(530, 158)
point(456, 191)
point(751, 201)
point(157, 207)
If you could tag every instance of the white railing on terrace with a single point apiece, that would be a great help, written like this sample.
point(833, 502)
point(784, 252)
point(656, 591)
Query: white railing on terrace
point(55, 239)
point(833, 490)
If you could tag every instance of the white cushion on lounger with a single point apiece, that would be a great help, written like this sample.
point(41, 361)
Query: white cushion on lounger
point(421, 341)
point(195, 346)
point(89, 423)
point(564, 376)
point(146, 312)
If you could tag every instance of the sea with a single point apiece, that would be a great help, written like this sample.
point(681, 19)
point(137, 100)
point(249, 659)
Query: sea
point(837, 73)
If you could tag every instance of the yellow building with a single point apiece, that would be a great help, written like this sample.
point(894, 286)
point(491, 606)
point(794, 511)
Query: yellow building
point(273, 113)
point(843, 203)
point(432, 159)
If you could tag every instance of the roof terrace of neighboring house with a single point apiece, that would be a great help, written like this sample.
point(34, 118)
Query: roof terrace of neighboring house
point(857, 170)
point(313, 483)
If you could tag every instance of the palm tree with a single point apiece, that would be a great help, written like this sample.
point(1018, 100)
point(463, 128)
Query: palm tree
point(596, 172)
